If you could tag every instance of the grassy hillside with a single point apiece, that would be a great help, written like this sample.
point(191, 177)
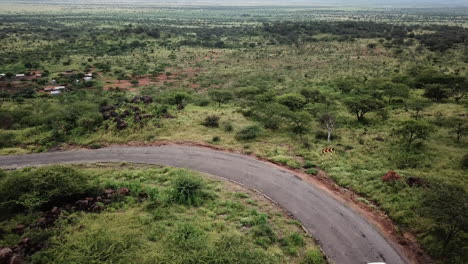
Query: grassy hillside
point(146, 215)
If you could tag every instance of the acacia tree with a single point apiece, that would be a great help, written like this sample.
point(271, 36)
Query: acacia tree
point(436, 92)
point(411, 130)
point(293, 101)
point(418, 105)
point(458, 126)
point(363, 104)
point(179, 99)
point(395, 90)
point(447, 206)
point(220, 96)
point(299, 121)
point(270, 114)
point(328, 122)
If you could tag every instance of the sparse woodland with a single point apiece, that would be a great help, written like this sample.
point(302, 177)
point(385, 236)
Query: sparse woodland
point(386, 90)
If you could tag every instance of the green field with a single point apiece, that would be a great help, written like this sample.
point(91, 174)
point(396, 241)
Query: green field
point(389, 85)
point(169, 216)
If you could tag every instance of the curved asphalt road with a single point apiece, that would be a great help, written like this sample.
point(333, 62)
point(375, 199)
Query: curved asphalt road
point(345, 236)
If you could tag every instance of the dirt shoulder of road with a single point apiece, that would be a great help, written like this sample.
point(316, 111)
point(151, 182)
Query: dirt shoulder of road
point(405, 242)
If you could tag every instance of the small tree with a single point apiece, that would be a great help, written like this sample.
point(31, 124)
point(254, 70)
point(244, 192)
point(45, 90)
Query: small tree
point(312, 95)
point(345, 85)
point(458, 126)
point(436, 92)
point(459, 91)
point(418, 105)
point(135, 82)
point(413, 130)
point(211, 121)
point(395, 90)
point(220, 96)
point(180, 98)
point(362, 104)
point(300, 121)
point(447, 206)
point(293, 101)
point(328, 122)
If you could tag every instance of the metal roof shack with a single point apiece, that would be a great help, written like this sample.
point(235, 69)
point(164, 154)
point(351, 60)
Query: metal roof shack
point(20, 75)
point(88, 79)
point(55, 92)
point(58, 88)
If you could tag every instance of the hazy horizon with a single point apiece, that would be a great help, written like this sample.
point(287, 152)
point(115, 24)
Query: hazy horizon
point(344, 3)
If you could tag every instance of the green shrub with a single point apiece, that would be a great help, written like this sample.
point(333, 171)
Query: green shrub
point(7, 139)
point(211, 121)
point(32, 188)
point(292, 242)
point(464, 162)
point(311, 171)
point(309, 164)
point(227, 127)
point(188, 190)
point(249, 133)
point(95, 146)
point(216, 139)
point(313, 257)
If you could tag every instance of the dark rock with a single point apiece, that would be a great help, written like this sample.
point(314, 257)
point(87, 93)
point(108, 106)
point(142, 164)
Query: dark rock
point(109, 192)
point(125, 113)
point(17, 259)
point(136, 99)
point(96, 208)
point(416, 182)
point(42, 222)
point(55, 211)
point(5, 254)
point(121, 124)
point(123, 191)
point(138, 118)
point(106, 115)
point(147, 99)
point(106, 108)
point(82, 204)
point(19, 229)
point(143, 196)
point(379, 139)
point(16, 249)
point(25, 241)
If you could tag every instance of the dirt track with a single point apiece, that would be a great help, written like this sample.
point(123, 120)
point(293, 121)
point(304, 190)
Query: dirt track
point(345, 236)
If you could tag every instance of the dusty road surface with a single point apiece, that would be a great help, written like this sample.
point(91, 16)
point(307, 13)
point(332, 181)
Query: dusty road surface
point(345, 236)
